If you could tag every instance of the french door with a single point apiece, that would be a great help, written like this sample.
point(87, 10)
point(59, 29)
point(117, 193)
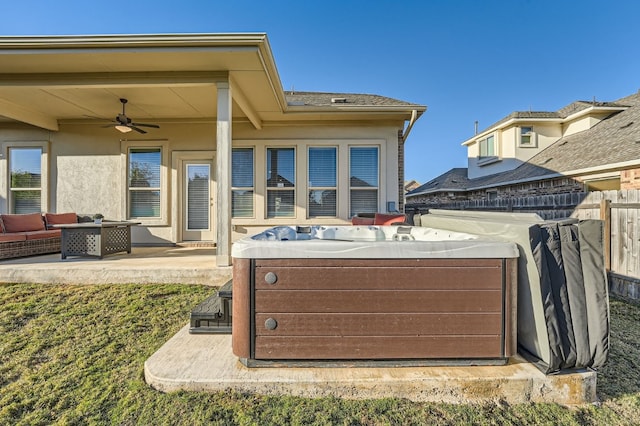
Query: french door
point(197, 200)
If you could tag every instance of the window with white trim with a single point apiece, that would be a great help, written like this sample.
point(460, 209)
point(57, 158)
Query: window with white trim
point(281, 182)
point(242, 182)
point(25, 180)
point(322, 182)
point(527, 137)
point(487, 147)
point(144, 182)
point(363, 179)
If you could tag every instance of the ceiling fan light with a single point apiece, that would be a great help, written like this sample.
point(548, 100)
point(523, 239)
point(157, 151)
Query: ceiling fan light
point(123, 129)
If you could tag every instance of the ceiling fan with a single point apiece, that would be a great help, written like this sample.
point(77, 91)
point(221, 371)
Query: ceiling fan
point(125, 124)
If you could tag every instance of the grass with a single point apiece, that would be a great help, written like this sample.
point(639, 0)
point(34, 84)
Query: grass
point(75, 355)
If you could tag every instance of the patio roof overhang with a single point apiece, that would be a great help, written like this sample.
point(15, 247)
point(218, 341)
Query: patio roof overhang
point(49, 80)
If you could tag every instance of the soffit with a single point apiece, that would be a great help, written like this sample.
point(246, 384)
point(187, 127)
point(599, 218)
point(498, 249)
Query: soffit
point(64, 79)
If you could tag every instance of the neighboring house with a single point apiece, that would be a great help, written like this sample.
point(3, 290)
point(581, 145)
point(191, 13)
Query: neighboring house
point(582, 147)
point(233, 154)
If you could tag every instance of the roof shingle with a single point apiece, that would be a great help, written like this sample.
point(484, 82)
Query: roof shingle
point(323, 99)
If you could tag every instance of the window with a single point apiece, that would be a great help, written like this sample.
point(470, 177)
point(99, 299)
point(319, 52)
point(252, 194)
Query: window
point(363, 180)
point(143, 181)
point(25, 168)
point(322, 181)
point(487, 147)
point(527, 137)
point(242, 182)
point(281, 182)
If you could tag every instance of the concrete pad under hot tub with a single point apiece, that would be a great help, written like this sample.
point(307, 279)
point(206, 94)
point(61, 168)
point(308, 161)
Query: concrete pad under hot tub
point(205, 363)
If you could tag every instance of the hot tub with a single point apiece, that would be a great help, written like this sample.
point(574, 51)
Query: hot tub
point(401, 293)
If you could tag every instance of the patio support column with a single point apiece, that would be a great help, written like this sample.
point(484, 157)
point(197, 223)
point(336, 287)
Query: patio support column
point(223, 173)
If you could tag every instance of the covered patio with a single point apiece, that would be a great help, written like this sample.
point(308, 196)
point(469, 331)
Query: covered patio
point(206, 101)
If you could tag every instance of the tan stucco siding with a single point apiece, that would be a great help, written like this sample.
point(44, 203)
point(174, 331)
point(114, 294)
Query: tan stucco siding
point(88, 167)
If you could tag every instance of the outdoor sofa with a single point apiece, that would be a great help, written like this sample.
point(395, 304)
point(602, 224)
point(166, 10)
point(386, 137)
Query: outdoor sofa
point(31, 234)
point(378, 219)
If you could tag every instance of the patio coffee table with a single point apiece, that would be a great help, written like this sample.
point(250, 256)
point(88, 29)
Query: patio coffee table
point(95, 239)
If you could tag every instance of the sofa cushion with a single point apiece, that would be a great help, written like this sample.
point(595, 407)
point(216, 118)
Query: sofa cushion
point(388, 219)
point(60, 218)
point(41, 235)
point(359, 220)
point(22, 222)
point(8, 238)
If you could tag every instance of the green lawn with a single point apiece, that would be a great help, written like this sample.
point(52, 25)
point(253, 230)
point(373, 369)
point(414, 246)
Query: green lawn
point(75, 354)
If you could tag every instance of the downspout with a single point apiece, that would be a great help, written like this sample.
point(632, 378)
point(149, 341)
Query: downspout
point(412, 121)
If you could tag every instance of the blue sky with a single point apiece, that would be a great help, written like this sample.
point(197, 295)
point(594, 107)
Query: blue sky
point(466, 60)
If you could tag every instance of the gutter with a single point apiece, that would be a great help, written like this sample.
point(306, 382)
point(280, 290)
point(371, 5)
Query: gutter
point(412, 121)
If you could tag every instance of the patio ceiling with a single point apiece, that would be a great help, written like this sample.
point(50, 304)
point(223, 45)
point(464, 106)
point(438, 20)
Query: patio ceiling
point(49, 80)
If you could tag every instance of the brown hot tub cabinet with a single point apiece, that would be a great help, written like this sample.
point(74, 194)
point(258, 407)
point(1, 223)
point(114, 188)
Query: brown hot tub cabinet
point(458, 310)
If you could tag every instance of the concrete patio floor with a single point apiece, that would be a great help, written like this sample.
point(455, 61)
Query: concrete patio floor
point(162, 265)
point(200, 362)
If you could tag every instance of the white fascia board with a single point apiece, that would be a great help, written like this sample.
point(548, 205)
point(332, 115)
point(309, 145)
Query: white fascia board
point(133, 40)
point(591, 110)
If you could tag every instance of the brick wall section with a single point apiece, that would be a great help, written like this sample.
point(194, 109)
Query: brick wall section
point(400, 171)
point(630, 179)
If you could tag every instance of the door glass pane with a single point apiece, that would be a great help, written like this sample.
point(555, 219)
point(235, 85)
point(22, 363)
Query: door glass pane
point(198, 178)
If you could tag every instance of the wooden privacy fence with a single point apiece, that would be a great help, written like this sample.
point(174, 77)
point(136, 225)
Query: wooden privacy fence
point(551, 206)
point(619, 209)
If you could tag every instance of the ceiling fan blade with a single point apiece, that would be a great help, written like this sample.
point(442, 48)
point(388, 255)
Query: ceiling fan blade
point(155, 126)
point(138, 129)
